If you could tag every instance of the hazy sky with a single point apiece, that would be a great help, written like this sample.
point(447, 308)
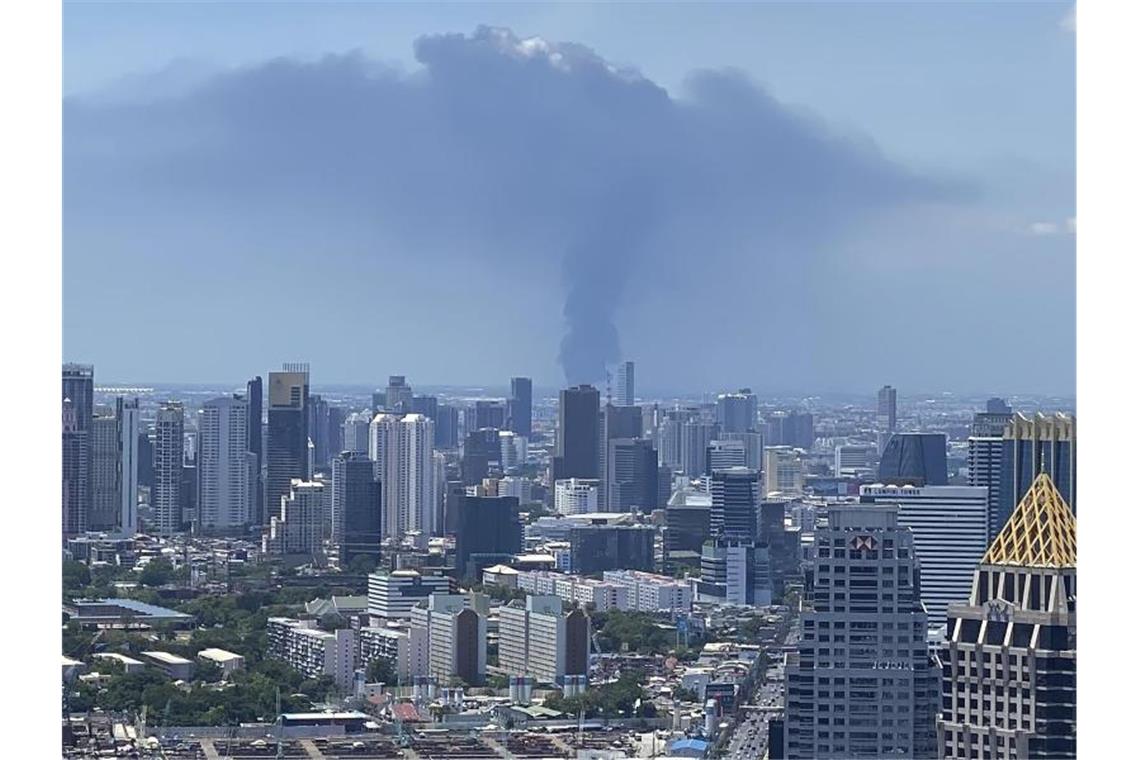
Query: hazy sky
point(792, 197)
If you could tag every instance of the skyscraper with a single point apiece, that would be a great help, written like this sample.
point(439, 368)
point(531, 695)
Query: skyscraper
point(917, 459)
point(225, 465)
point(576, 453)
point(949, 528)
point(735, 501)
point(166, 496)
point(318, 422)
point(105, 499)
point(446, 427)
point(255, 407)
point(783, 470)
point(696, 435)
point(298, 526)
point(76, 472)
point(287, 441)
point(737, 412)
point(538, 639)
point(862, 684)
point(722, 454)
point(1030, 446)
point(519, 406)
point(796, 429)
point(357, 508)
point(127, 414)
point(355, 432)
point(488, 532)
point(616, 422)
point(481, 449)
point(399, 395)
point(983, 460)
point(631, 475)
point(623, 385)
point(403, 452)
point(888, 409)
point(1009, 668)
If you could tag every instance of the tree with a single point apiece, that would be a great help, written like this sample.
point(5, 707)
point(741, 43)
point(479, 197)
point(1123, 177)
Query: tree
point(158, 572)
point(362, 564)
point(381, 671)
point(331, 621)
point(76, 575)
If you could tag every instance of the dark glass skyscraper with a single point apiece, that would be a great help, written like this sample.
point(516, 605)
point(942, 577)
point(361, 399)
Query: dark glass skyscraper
point(357, 509)
point(287, 442)
point(487, 532)
point(736, 412)
point(735, 500)
point(446, 427)
point(917, 459)
point(480, 449)
point(576, 446)
point(631, 481)
point(256, 406)
point(78, 409)
point(519, 406)
point(1030, 446)
point(888, 408)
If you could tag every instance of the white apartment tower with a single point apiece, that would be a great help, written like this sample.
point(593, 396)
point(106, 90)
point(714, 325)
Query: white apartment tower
point(575, 496)
point(402, 446)
point(166, 496)
point(225, 465)
point(129, 427)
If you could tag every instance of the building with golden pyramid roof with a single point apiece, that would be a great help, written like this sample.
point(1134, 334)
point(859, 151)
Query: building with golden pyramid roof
point(1009, 664)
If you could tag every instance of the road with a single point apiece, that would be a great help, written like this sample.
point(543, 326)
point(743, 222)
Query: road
point(749, 739)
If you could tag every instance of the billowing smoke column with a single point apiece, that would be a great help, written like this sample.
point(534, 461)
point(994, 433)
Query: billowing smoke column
point(525, 156)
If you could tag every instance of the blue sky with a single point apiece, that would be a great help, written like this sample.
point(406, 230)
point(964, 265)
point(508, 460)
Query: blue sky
point(977, 94)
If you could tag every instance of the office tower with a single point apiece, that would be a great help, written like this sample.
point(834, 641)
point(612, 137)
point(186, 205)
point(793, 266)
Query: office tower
point(520, 406)
point(225, 465)
point(983, 459)
point(391, 596)
point(355, 433)
point(512, 450)
point(888, 409)
point(753, 447)
point(255, 428)
point(456, 638)
point(914, 459)
point(287, 437)
point(1009, 666)
point(318, 423)
point(402, 448)
point(862, 684)
point(722, 454)
point(146, 458)
point(398, 398)
point(127, 414)
point(575, 496)
point(335, 426)
point(949, 528)
point(997, 405)
point(735, 501)
point(482, 449)
point(487, 414)
point(737, 412)
point(631, 475)
point(379, 403)
point(188, 497)
point(686, 530)
point(783, 470)
point(447, 427)
point(576, 452)
point(488, 532)
point(76, 471)
point(104, 447)
point(795, 429)
point(79, 407)
point(1030, 446)
point(428, 406)
point(594, 548)
point(298, 527)
point(616, 422)
point(670, 437)
point(735, 571)
point(538, 639)
point(696, 435)
point(357, 508)
point(623, 385)
point(853, 459)
point(785, 554)
point(166, 496)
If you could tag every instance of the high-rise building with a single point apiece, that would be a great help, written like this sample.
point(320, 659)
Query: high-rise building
point(575, 496)
point(795, 429)
point(735, 502)
point(402, 448)
point(456, 637)
point(311, 651)
point(512, 450)
point(287, 436)
point(623, 385)
point(428, 406)
point(576, 453)
point(915, 459)
point(854, 459)
point(888, 409)
point(735, 571)
point(538, 639)
point(482, 449)
point(594, 548)
point(398, 398)
point(105, 499)
point(863, 683)
point(722, 454)
point(949, 528)
point(737, 412)
point(486, 413)
point(983, 459)
point(631, 475)
point(696, 435)
point(255, 427)
point(783, 470)
point(616, 422)
point(1030, 446)
point(391, 596)
point(488, 532)
point(1009, 665)
point(225, 465)
point(355, 432)
point(76, 472)
point(78, 409)
point(166, 496)
point(357, 508)
point(753, 443)
point(997, 405)
point(127, 414)
point(686, 530)
point(446, 427)
point(318, 411)
point(519, 406)
point(298, 528)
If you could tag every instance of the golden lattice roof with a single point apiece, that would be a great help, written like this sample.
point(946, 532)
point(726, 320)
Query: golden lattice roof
point(1041, 532)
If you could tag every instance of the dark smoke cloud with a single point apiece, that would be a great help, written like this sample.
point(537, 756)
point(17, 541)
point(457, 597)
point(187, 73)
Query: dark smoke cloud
point(511, 150)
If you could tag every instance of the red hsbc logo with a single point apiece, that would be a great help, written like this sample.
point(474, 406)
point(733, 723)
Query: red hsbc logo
point(863, 543)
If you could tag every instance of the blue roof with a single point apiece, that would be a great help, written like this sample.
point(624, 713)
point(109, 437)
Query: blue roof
point(700, 745)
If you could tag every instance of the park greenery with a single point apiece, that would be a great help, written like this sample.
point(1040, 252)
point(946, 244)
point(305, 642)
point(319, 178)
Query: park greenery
point(624, 697)
point(640, 633)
